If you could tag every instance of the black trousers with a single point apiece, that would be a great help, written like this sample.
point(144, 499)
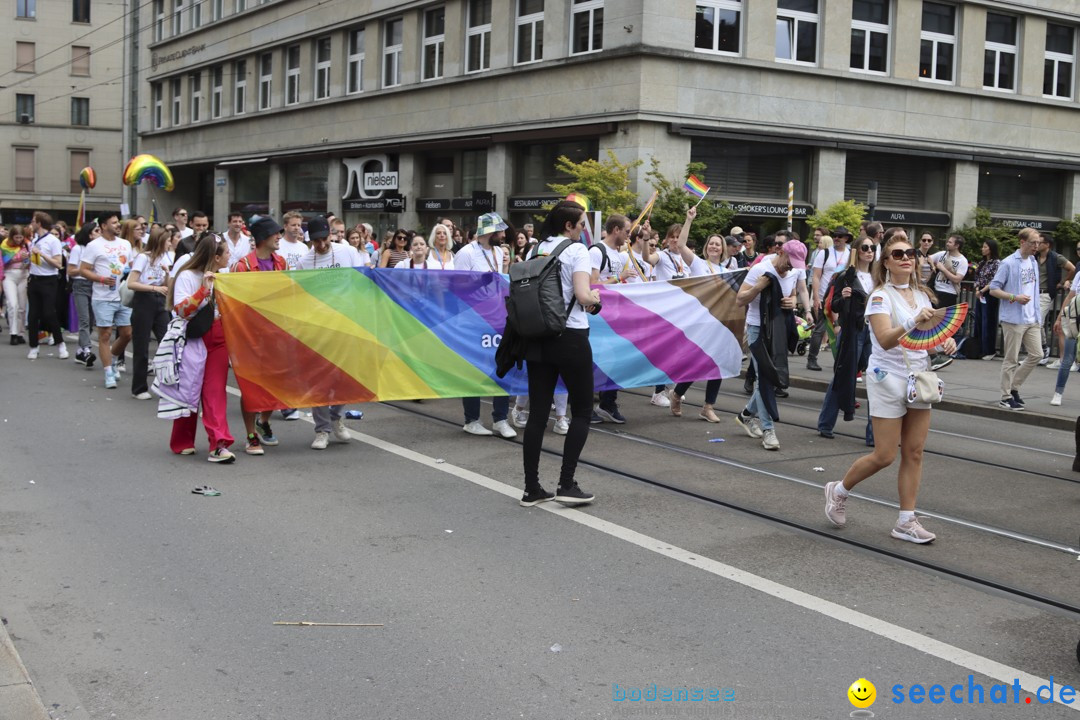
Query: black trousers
point(568, 356)
point(148, 315)
point(41, 299)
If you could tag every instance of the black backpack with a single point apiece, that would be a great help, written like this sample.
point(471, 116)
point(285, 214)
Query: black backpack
point(535, 305)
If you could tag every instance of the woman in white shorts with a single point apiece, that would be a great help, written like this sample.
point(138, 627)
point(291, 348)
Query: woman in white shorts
point(897, 304)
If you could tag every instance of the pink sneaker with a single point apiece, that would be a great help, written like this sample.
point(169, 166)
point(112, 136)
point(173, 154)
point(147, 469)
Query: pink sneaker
point(913, 532)
point(835, 508)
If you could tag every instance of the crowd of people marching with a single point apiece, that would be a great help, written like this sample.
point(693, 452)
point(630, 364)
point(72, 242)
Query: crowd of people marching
point(129, 280)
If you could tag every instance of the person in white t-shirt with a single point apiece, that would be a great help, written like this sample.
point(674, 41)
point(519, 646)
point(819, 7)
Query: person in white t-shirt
point(567, 356)
point(46, 260)
point(82, 291)
point(485, 254)
point(419, 256)
point(292, 246)
point(642, 257)
point(896, 306)
point(827, 263)
point(240, 243)
point(149, 280)
point(951, 267)
point(180, 219)
point(355, 239)
point(610, 265)
point(442, 248)
point(676, 257)
point(105, 261)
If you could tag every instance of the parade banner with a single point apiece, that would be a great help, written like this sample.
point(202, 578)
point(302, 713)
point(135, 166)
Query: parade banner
point(349, 335)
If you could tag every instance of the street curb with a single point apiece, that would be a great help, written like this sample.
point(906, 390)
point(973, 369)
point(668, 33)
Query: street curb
point(18, 700)
point(1028, 418)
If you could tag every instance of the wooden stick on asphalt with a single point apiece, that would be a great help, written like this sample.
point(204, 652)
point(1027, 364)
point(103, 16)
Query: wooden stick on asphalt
point(305, 623)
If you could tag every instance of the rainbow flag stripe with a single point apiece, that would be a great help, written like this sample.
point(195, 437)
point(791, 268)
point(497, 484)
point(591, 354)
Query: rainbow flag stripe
point(581, 200)
point(319, 337)
point(695, 187)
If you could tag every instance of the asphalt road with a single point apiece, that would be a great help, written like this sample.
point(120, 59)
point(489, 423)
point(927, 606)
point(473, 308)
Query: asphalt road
point(129, 597)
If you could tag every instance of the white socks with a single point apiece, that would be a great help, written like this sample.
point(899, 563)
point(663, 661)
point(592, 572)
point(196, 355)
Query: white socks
point(906, 516)
point(841, 490)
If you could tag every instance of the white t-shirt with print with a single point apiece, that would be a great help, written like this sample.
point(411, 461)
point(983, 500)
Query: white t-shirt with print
point(958, 265)
point(829, 267)
point(638, 262)
point(892, 361)
point(293, 252)
point(616, 261)
point(478, 259)
point(573, 259)
point(46, 245)
point(151, 273)
point(336, 257)
point(428, 264)
point(671, 266)
point(108, 258)
point(787, 285)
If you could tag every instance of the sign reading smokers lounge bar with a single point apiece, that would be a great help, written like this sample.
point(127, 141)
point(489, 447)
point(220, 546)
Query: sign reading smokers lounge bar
point(912, 217)
point(1047, 224)
point(767, 209)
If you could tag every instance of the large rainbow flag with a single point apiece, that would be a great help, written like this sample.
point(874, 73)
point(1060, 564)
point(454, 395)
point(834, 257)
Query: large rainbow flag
point(318, 337)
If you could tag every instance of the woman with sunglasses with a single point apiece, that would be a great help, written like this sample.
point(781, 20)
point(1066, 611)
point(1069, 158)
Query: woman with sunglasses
point(896, 306)
point(396, 250)
point(850, 293)
point(986, 305)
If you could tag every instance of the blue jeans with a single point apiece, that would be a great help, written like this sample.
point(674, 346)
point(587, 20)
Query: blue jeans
point(830, 409)
point(1068, 356)
point(986, 320)
point(755, 406)
point(500, 407)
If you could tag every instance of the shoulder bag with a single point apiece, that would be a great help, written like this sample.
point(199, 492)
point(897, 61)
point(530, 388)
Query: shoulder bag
point(199, 323)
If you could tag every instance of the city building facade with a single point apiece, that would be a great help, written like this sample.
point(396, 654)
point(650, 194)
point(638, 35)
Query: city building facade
point(398, 113)
point(61, 106)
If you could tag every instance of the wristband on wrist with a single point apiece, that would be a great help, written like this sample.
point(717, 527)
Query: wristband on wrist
point(909, 324)
point(1012, 297)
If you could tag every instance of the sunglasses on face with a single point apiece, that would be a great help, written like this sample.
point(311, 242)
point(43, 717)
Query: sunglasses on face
point(899, 254)
point(867, 248)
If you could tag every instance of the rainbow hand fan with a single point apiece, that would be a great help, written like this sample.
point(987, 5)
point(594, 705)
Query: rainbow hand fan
point(942, 329)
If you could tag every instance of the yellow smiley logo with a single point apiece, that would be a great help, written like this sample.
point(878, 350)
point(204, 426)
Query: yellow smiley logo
point(862, 693)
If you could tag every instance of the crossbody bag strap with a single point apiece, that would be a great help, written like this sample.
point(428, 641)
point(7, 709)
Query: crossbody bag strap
point(896, 297)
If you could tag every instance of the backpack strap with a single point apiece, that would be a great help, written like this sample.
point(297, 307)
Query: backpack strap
point(554, 257)
point(604, 261)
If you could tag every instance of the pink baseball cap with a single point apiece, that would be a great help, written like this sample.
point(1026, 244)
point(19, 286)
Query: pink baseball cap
point(796, 253)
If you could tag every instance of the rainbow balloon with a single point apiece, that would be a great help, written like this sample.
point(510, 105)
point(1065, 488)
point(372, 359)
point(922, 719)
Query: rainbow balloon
point(942, 330)
point(576, 197)
point(88, 178)
point(149, 168)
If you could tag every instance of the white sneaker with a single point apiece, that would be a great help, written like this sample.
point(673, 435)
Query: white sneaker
point(143, 396)
point(503, 429)
point(62, 353)
point(769, 440)
point(1056, 400)
point(32, 355)
point(341, 433)
point(912, 532)
point(322, 439)
point(1055, 365)
point(1074, 367)
point(520, 418)
point(562, 426)
point(477, 428)
point(660, 399)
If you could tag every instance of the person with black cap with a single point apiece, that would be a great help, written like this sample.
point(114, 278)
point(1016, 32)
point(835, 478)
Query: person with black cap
point(324, 255)
point(826, 264)
point(267, 234)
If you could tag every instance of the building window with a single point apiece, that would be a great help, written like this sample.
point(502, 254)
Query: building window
point(1060, 59)
point(870, 36)
point(80, 60)
point(155, 96)
point(266, 78)
point(292, 75)
point(79, 160)
point(355, 80)
point(178, 17)
point(24, 170)
point(24, 56)
point(999, 60)
point(217, 10)
point(434, 42)
point(196, 13)
point(1021, 190)
point(26, 9)
point(938, 40)
point(24, 108)
point(159, 20)
point(322, 68)
point(80, 11)
point(195, 87)
point(240, 87)
point(241, 5)
point(176, 95)
point(530, 31)
point(586, 26)
point(797, 31)
point(216, 91)
point(80, 111)
point(717, 26)
point(392, 49)
point(478, 36)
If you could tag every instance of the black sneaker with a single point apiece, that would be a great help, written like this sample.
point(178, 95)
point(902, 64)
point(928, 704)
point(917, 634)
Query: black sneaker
point(1016, 396)
point(811, 364)
point(748, 386)
point(939, 362)
point(121, 365)
point(266, 435)
point(611, 415)
point(573, 495)
point(1010, 404)
point(535, 497)
point(80, 357)
point(89, 361)
point(781, 393)
point(595, 419)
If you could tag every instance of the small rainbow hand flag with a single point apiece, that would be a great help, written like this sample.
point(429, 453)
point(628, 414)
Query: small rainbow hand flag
point(576, 197)
point(695, 187)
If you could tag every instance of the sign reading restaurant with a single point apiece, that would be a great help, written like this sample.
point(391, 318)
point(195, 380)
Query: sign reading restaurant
point(767, 209)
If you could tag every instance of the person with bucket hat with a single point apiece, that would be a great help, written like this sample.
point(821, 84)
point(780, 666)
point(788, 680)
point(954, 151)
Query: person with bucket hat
point(826, 264)
point(485, 254)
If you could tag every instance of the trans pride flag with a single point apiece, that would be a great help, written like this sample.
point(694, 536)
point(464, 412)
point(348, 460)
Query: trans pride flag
point(319, 337)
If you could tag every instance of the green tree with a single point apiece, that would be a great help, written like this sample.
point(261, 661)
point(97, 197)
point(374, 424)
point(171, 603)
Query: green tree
point(672, 203)
point(1067, 236)
point(985, 228)
point(849, 213)
point(605, 182)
